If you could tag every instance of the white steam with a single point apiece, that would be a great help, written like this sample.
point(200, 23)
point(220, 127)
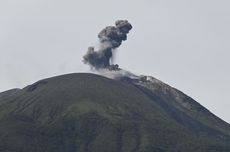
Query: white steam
point(116, 74)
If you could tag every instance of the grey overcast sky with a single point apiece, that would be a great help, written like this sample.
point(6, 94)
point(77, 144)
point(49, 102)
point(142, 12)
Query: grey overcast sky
point(184, 43)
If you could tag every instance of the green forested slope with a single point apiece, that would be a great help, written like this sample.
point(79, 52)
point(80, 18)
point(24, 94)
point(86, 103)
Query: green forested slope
point(90, 113)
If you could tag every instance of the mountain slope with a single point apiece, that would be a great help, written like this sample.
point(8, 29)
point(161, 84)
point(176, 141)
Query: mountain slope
point(185, 104)
point(91, 113)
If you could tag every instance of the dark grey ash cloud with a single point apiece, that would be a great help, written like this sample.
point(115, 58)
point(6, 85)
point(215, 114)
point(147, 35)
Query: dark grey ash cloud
point(110, 38)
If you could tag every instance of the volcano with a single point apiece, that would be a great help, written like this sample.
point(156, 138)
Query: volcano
point(84, 112)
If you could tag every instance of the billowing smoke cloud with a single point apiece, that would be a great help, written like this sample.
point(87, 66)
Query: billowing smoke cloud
point(110, 38)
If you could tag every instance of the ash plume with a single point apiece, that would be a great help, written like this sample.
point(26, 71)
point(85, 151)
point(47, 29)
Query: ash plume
point(110, 38)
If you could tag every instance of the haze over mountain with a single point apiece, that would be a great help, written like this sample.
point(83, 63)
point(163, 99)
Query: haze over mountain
point(84, 112)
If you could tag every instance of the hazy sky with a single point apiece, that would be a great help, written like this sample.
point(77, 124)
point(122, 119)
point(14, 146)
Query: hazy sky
point(184, 43)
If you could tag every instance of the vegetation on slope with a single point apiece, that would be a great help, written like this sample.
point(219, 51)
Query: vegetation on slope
point(90, 113)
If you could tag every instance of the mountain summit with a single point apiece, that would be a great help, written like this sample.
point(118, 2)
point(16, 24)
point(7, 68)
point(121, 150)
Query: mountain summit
point(85, 112)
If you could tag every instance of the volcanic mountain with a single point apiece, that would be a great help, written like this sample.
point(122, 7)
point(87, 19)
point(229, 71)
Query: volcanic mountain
point(84, 112)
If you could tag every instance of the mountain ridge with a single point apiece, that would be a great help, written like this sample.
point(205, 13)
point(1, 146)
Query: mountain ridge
point(88, 112)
